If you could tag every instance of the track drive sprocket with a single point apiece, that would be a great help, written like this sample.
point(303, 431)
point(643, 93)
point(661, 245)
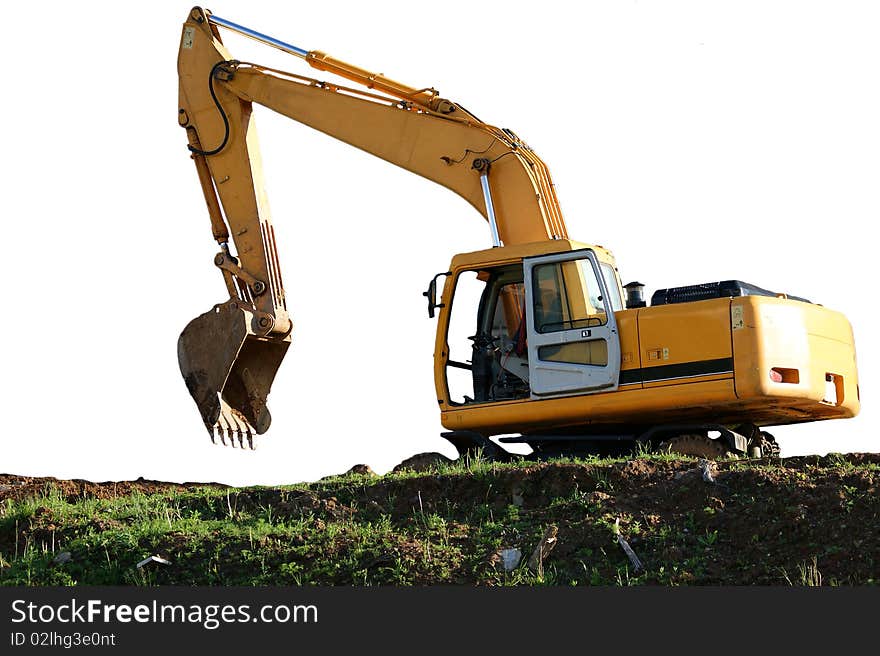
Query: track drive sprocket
point(768, 445)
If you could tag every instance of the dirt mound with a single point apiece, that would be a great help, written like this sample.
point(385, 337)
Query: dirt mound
point(804, 520)
point(23, 487)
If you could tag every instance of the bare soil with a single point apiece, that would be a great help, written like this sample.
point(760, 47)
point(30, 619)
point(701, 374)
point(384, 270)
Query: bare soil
point(801, 520)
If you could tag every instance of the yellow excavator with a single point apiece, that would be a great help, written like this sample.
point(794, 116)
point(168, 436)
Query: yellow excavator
point(537, 339)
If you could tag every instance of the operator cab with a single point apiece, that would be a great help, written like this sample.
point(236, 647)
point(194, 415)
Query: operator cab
point(539, 327)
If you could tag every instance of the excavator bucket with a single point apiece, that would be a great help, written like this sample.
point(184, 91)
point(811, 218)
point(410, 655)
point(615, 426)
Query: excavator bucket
point(229, 371)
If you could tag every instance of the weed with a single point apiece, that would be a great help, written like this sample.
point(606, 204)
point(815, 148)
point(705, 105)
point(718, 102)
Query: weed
point(603, 482)
point(808, 574)
point(708, 539)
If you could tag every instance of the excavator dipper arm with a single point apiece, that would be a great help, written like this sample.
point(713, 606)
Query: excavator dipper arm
point(229, 356)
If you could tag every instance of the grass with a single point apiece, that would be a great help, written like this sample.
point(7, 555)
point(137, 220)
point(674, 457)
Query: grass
point(808, 575)
point(447, 526)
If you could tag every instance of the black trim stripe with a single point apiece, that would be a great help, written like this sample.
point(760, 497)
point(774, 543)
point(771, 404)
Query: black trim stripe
point(672, 371)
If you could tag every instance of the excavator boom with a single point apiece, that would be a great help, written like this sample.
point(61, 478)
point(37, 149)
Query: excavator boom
point(229, 355)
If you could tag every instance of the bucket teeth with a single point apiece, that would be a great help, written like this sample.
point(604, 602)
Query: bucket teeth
point(228, 370)
point(232, 429)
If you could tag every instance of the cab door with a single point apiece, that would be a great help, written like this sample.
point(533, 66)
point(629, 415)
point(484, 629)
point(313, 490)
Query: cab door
point(573, 343)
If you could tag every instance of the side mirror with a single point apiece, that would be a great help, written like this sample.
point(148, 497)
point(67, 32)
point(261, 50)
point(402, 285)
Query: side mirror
point(431, 294)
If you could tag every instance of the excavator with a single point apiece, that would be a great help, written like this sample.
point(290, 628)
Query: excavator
point(537, 340)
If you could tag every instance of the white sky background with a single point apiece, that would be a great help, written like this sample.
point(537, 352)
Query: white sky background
point(700, 141)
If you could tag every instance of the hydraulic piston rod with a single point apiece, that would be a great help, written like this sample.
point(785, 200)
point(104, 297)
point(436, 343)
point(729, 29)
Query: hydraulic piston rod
point(490, 209)
point(258, 36)
point(324, 62)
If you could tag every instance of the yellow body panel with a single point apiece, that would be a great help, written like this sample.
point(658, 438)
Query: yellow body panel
point(695, 332)
point(699, 362)
point(628, 405)
point(630, 354)
point(808, 339)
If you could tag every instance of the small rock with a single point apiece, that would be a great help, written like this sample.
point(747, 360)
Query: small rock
point(423, 462)
point(708, 469)
point(62, 558)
